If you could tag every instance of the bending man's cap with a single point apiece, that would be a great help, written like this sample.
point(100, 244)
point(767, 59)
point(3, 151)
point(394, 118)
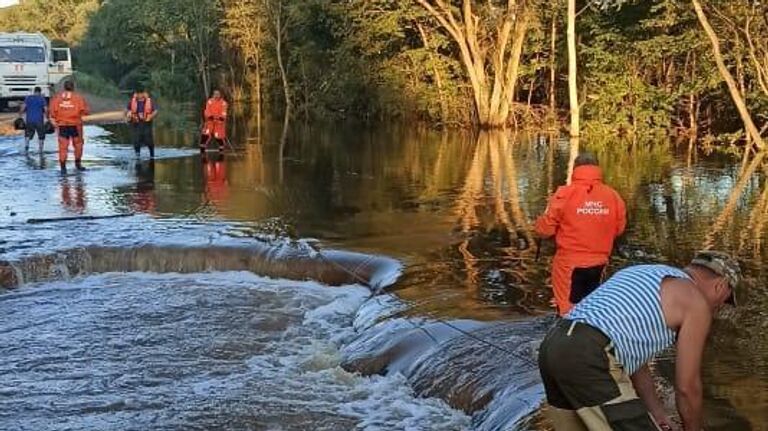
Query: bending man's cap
point(723, 265)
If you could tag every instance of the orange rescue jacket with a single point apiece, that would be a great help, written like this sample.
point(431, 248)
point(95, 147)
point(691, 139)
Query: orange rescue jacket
point(585, 217)
point(215, 109)
point(68, 109)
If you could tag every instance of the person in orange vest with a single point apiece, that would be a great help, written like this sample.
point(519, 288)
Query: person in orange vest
point(215, 122)
point(67, 111)
point(140, 113)
point(585, 218)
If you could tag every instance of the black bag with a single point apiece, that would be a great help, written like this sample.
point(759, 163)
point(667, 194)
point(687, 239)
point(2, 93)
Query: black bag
point(19, 124)
point(49, 129)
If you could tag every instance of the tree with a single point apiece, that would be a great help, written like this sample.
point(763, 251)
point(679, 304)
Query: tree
point(167, 44)
point(278, 25)
point(573, 91)
point(242, 29)
point(490, 39)
point(64, 20)
point(736, 94)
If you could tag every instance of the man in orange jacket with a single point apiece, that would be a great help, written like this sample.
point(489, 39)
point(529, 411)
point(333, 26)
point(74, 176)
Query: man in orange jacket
point(215, 126)
point(140, 113)
point(585, 218)
point(67, 111)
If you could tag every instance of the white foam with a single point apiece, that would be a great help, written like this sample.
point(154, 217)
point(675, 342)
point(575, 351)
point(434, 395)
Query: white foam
point(388, 403)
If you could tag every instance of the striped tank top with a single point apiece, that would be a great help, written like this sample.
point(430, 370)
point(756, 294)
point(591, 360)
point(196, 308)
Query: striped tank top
point(627, 308)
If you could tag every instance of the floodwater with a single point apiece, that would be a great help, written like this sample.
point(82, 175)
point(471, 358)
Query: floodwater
point(193, 352)
point(455, 208)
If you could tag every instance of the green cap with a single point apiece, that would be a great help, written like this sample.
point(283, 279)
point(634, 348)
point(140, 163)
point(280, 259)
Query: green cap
point(723, 265)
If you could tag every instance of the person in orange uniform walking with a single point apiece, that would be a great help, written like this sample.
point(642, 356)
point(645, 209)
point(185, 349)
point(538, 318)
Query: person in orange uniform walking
point(585, 218)
point(67, 111)
point(215, 126)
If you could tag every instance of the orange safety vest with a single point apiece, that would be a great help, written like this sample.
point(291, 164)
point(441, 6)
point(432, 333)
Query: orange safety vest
point(148, 108)
point(215, 108)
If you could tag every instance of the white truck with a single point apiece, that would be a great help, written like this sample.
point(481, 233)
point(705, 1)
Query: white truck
point(27, 60)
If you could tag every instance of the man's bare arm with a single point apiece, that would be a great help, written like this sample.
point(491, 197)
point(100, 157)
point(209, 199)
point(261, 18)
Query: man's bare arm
point(691, 338)
point(642, 380)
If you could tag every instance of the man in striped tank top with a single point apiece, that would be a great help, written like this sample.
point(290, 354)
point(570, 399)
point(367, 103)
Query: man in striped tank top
point(594, 362)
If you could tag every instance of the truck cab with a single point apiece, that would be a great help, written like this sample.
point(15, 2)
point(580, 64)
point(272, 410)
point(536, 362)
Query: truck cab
point(27, 60)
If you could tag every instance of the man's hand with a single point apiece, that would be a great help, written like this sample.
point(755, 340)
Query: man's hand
point(664, 423)
point(645, 387)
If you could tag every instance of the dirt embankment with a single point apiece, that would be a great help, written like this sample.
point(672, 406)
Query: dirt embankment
point(103, 111)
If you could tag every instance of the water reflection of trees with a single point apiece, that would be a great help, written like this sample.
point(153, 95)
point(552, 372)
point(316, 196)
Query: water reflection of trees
point(726, 217)
point(496, 249)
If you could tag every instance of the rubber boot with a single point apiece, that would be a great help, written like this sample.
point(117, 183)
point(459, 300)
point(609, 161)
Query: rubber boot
point(203, 144)
point(63, 166)
point(79, 165)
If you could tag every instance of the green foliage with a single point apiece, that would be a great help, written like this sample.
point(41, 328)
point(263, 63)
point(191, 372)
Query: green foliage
point(164, 44)
point(64, 20)
point(645, 67)
point(639, 64)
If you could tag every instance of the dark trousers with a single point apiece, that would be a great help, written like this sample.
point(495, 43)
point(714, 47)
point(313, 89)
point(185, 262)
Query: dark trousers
point(206, 140)
point(587, 388)
point(141, 134)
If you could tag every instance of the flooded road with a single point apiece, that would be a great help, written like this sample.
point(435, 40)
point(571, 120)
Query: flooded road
point(456, 209)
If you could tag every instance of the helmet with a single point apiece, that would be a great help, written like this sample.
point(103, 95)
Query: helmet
point(19, 124)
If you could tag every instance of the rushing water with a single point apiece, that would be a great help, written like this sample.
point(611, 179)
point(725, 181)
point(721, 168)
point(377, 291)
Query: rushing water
point(455, 208)
point(193, 352)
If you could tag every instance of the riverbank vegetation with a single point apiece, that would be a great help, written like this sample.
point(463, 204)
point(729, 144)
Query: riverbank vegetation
point(644, 68)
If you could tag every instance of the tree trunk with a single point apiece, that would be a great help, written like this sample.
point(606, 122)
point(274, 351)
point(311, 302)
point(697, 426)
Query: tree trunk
point(490, 58)
point(280, 64)
point(532, 86)
point(738, 98)
point(572, 70)
point(693, 122)
point(574, 152)
point(258, 84)
point(553, 64)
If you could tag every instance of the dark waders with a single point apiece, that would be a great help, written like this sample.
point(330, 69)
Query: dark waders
point(141, 134)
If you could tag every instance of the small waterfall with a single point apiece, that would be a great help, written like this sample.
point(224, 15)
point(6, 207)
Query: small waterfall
point(291, 260)
point(500, 387)
point(61, 265)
